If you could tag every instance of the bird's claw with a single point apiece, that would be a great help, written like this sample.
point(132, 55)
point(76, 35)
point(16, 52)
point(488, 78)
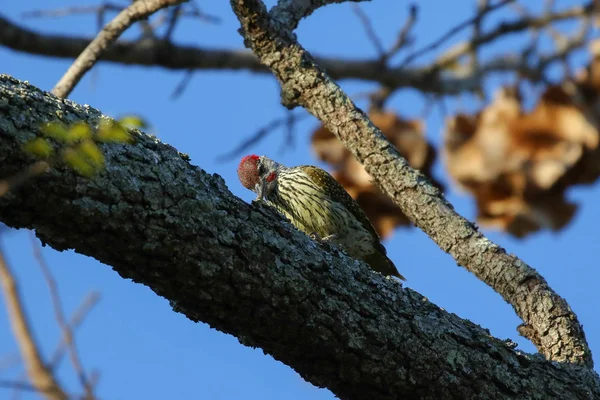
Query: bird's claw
point(317, 238)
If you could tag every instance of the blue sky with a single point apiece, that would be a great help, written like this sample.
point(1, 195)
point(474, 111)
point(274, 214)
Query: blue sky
point(143, 349)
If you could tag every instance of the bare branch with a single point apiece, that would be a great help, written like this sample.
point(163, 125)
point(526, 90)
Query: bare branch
point(261, 134)
point(368, 25)
point(68, 336)
point(76, 320)
point(426, 79)
point(174, 15)
point(62, 12)
point(404, 34)
point(453, 31)
point(290, 131)
point(558, 333)
point(40, 375)
point(197, 12)
point(183, 84)
point(510, 27)
point(111, 32)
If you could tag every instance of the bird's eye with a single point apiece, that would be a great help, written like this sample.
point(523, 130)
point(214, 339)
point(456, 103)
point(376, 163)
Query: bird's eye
point(271, 177)
point(261, 169)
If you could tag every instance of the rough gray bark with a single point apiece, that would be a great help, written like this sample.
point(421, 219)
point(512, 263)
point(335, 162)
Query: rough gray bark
point(548, 320)
point(157, 219)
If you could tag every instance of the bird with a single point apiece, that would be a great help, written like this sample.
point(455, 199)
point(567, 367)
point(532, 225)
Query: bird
point(315, 203)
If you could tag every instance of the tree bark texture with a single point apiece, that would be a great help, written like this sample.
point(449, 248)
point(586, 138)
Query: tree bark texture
point(160, 221)
point(548, 320)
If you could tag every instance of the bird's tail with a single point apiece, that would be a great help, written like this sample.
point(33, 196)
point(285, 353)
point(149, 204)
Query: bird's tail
point(381, 263)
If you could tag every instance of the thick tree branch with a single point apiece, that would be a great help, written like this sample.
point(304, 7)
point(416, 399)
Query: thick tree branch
point(40, 375)
point(107, 36)
point(549, 321)
point(162, 222)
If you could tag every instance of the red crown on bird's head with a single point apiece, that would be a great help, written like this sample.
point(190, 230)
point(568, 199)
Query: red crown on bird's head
point(248, 171)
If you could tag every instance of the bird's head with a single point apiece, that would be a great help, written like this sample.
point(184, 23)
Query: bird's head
point(259, 174)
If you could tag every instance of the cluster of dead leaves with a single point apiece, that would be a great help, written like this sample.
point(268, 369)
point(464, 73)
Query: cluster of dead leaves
point(409, 139)
point(518, 164)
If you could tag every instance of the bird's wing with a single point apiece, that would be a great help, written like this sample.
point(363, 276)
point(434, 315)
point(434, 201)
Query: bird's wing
point(323, 178)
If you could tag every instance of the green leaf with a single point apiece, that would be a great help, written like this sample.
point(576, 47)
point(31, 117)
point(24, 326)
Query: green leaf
point(110, 131)
point(39, 147)
point(89, 150)
point(56, 131)
point(133, 121)
point(78, 162)
point(78, 132)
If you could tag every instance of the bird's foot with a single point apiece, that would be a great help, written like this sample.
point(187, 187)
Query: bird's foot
point(260, 192)
point(317, 238)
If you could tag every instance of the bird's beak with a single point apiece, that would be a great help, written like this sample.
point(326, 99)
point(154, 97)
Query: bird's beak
point(264, 191)
point(261, 190)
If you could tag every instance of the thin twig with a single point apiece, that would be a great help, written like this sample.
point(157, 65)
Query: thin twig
point(146, 27)
point(76, 320)
point(40, 375)
point(453, 31)
point(109, 34)
point(60, 317)
point(183, 84)
point(260, 134)
point(66, 11)
point(404, 34)
point(368, 26)
point(174, 15)
point(198, 13)
point(290, 132)
point(509, 27)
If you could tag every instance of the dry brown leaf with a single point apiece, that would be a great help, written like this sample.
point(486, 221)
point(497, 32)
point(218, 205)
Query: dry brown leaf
point(518, 164)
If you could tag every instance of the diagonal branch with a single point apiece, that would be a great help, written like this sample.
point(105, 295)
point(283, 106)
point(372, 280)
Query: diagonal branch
point(67, 332)
point(453, 31)
point(40, 375)
point(245, 271)
point(548, 320)
point(109, 34)
point(76, 319)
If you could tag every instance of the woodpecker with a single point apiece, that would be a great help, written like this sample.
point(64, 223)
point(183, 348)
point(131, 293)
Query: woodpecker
point(318, 205)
